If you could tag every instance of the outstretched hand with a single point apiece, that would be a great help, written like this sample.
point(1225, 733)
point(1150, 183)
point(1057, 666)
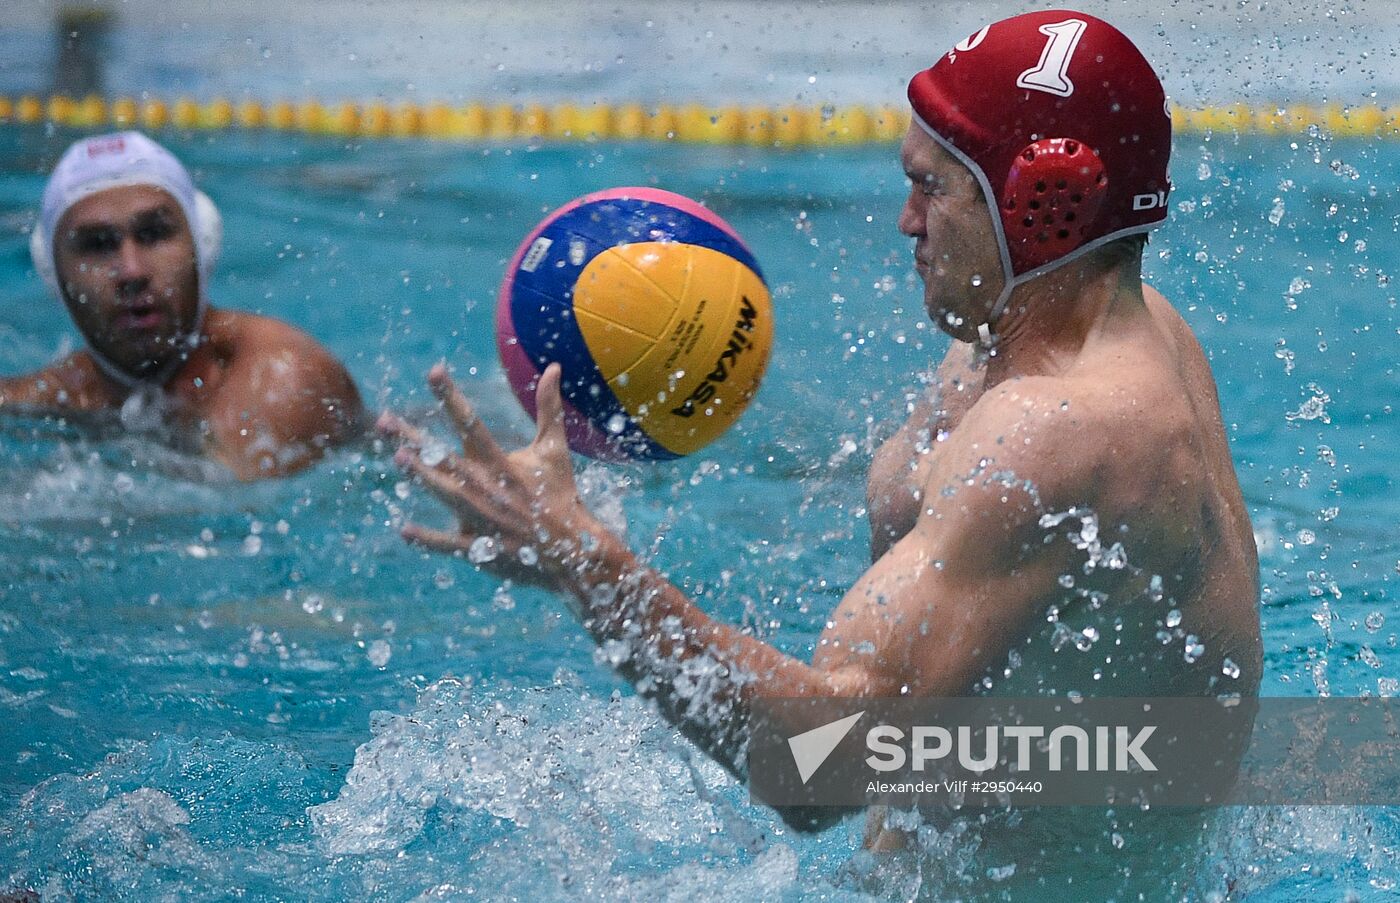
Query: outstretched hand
point(519, 515)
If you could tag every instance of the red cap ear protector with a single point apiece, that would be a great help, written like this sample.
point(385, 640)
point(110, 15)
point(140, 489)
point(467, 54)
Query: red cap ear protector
point(1053, 193)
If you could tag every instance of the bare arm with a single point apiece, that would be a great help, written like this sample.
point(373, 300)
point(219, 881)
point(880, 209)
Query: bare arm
point(71, 385)
point(927, 618)
point(278, 412)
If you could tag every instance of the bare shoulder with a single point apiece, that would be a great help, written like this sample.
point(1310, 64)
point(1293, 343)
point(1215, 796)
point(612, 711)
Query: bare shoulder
point(1123, 435)
point(1034, 421)
point(272, 352)
point(286, 361)
point(1068, 437)
point(278, 398)
point(241, 332)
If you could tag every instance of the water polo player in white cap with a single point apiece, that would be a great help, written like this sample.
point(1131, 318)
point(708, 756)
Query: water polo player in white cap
point(126, 241)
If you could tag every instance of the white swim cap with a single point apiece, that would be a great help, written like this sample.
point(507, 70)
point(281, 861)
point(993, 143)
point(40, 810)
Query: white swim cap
point(113, 161)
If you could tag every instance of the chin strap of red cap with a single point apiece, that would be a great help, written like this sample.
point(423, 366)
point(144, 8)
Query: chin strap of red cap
point(1052, 196)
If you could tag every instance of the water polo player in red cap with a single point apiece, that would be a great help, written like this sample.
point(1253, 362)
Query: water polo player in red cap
point(1070, 455)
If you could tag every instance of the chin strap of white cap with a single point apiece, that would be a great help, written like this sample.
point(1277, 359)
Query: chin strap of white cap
point(207, 227)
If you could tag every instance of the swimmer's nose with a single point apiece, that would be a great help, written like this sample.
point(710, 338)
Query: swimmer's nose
point(131, 260)
point(132, 269)
point(911, 218)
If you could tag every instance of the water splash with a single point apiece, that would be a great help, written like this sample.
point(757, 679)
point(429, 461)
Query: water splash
point(1314, 408)
point(1086, 538)
point(545, 759)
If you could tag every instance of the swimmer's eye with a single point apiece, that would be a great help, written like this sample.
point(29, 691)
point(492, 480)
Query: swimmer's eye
point(928, 185)
point(95, 241)
point(155, 229)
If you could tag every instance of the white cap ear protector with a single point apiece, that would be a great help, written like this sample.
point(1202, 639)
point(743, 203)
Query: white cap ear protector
point(112, 161)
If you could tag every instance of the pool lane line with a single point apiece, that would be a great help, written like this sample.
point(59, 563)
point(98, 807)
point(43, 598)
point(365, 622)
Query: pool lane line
point(694, 123)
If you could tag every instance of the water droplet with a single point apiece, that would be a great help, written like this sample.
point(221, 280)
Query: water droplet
point(1174, 617)
point(976, 280)
point(614, 652)
point(528, 556)
point(433, 453)
point(401, 489)
point(379, 653)
point(502, 599)
point(616, 424)
point(1230, 669)
point(1001, 873)
point(1375, 621)
point(1193, 648)
point(123, 483)
point(482, 550)
point(312, 604)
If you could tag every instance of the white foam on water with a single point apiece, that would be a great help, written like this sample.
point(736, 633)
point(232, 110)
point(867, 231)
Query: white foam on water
point(79, 481)
point(543, 759)
point(555, 791)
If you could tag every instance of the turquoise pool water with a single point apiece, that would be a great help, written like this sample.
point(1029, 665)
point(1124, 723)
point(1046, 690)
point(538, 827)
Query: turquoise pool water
point(210, 689)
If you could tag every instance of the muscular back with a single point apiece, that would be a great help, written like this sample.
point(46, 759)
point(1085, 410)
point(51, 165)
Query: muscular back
point(1180, 616)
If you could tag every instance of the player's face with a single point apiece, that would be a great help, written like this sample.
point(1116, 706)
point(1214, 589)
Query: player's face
point(955, 245)
point(126, 260)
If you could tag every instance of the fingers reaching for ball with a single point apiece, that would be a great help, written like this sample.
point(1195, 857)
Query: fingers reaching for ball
point(526, 502)
point(446, 541)
point(393, 426)
point(549, 411)
point(477, 441)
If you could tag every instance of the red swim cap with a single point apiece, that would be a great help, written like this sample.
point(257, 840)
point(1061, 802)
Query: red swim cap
point(1065, 125)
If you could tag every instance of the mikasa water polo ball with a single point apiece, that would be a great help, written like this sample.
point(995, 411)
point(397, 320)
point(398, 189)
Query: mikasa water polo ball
point(656, 311)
